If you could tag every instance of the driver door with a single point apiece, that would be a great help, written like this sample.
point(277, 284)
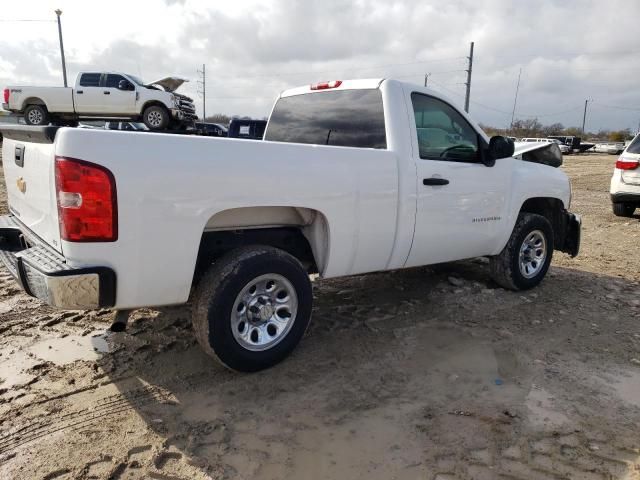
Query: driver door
point(461, 203)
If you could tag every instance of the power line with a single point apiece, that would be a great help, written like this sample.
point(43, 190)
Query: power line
point(616, 107)
point(347, 69)
point(26, 20)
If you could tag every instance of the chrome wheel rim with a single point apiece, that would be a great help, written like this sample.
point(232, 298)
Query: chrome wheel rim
point(533, 253)
point(154, 118)
point(35, 117)
point(264, 312)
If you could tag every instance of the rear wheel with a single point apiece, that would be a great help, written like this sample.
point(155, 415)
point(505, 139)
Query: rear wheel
point(252, 307)
point(524, 261)
point(156, 117)
point(623, 209)
point(36, 115)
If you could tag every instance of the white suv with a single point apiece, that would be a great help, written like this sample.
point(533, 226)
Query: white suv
point(625, 183)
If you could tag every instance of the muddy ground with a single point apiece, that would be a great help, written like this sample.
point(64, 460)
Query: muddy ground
point(429, 373)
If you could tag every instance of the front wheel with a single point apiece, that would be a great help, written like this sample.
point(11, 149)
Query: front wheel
point(252, 307)
point(156, 117)
point(525, 259)
point(36, 115)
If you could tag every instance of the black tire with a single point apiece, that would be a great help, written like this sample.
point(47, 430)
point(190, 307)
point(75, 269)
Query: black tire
point(36, 115)
point(215, 297)
point(623, 209)
point(156, 117)
point(505, 267)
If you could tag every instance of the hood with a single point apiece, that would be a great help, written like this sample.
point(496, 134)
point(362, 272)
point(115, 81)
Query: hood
point(538, 152)
point(170, 84)
point(522, 147)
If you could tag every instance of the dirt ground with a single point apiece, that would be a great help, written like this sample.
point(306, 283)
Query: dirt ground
point(429, 373)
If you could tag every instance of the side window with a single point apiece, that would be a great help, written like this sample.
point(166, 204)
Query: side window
point(113, 80)
point(443, 134)
point(90, 80)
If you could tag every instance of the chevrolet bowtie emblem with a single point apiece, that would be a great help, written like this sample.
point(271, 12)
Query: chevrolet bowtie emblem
point(22, 185)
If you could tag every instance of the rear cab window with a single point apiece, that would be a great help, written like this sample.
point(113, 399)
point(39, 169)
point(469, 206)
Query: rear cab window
point(346, 118)
point(90, 80)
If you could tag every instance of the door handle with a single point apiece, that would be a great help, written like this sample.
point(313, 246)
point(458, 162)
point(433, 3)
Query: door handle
point(435, 181)
point(107, 92)
point(78, 92)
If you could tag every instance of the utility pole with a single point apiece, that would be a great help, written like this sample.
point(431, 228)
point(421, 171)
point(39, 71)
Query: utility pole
point(584, 117)
point(64, 65)
point(426, 77)
point(515, 100)
point(203, 84)
point(468, 83)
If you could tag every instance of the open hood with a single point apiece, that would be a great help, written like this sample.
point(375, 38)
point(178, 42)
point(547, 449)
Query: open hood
point(538, 152)
point(170, 84)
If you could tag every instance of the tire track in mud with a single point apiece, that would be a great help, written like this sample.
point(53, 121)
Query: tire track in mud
point(109, 406)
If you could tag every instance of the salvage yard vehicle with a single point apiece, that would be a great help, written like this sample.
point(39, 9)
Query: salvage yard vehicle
point(625, 182)
point(107, 95)
point(344, 183)
point(247, 128)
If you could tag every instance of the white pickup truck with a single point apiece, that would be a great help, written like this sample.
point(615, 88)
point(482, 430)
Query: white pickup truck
point(353, 177)
point(104, 95)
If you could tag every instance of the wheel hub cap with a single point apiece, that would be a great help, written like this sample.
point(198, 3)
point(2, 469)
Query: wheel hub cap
point(264, 312)
point(155, 119)
point(533, 253)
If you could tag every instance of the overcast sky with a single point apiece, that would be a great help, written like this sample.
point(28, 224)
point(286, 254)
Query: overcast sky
point(568, 50)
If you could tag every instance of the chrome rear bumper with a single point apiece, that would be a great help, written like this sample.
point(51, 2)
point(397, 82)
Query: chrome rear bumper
point(45, 274)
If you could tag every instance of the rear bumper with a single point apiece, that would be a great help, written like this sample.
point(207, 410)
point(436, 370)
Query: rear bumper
point(572, 233)
point(45, 274)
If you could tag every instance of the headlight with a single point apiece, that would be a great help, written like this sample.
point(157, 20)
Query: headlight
point(176, 101)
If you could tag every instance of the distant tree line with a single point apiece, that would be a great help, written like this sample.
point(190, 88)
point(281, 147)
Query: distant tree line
point(533, 128)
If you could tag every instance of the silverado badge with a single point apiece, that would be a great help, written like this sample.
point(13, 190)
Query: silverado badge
point(22, 185)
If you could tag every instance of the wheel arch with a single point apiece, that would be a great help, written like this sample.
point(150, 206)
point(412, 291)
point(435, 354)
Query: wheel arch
point(152, 103)
point(33, 101)
point(302, 232)
point(553, 210)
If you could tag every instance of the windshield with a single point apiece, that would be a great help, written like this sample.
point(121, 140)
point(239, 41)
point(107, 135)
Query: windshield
point(136, 80)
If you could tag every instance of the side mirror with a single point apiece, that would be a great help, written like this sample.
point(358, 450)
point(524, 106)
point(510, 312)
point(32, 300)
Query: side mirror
point(124, 85)
point(499, 147)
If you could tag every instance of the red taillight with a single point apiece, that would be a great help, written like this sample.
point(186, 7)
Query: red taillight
point(6, 95)
point(87, 208)
point(626, 164)
point(326, 85)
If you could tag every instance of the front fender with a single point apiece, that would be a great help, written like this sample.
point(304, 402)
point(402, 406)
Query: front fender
point(532, 181)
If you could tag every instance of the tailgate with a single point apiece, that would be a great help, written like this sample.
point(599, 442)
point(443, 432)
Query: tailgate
point(28, 155)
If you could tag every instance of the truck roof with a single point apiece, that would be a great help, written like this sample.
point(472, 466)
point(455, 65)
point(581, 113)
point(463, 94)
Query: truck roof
point(358, 84)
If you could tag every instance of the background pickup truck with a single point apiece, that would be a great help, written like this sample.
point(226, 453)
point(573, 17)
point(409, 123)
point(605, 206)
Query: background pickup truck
point(104, 96)
point(353, 177)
